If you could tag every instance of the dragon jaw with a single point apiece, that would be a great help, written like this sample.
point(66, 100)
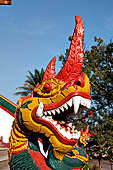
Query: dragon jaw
point(48, 114)
point(59, 119)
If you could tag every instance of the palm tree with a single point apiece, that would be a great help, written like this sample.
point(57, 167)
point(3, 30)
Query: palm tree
point(31, 82)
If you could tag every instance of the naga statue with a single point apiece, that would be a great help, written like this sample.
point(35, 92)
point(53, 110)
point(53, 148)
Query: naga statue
point(43, 136)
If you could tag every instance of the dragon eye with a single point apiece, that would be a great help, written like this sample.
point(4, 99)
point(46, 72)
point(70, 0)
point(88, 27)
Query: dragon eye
point(47, 87)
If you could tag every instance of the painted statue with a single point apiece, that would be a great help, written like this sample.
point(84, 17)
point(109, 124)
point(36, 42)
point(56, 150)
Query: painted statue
point(43, 135)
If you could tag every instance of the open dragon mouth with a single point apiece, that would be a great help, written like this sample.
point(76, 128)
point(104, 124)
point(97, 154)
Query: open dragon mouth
point(59, 120)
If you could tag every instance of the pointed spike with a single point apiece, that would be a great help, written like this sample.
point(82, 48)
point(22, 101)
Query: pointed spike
point(50, 70)
point(82, 132)
point(72, 67)
point(87, 129)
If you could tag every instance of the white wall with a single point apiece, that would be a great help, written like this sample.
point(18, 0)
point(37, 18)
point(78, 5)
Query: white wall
point(6, 121)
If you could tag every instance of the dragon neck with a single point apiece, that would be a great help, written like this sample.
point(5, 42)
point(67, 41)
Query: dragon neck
point(18, 140)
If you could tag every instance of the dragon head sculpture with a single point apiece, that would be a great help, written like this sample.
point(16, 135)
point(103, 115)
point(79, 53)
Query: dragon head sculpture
point(43, 119)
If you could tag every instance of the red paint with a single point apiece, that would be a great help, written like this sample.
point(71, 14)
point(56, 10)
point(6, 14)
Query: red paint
point(7, 111)
point(72, 68)
point(91, 112)
point(16, 147)
point(3, 144)
point(86, 131)
point(47, 87)
point(8, 100)
point(5, 108)
point(76, 93)
point(17, 152)
point(80, 81)
point(77, 168)
point(37, 85)
point(93, 134)
point(24, 98)
point(50, 70)
point(39, 159)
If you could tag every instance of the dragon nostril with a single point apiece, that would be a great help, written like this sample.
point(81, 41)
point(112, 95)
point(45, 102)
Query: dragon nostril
point(47, 87)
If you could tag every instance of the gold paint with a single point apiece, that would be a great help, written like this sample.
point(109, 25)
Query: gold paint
point(28, 121)
point(16, 126)
point(58, 155)
point(82, 158)
point(18, 138)
point(85, 136)
point(30, 99)
point(55, 142)
point(57, 98)
point(20, 134)
point(75, 152)
point(56, 88)
point(68, 90)
point(46, 131)
point(19, 103)
point(34, 104)
point(17, 141)
point(65, 92)
point(86, 87)
point(71, 89)
point(45, 101)
point(59, 149)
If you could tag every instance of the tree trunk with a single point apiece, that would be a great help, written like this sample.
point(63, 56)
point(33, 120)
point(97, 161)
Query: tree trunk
point(99, 161)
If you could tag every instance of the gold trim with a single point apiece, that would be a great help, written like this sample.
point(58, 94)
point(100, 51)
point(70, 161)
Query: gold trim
point(5, 2)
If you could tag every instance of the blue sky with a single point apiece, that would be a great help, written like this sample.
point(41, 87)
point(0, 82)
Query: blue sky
point(32, 33)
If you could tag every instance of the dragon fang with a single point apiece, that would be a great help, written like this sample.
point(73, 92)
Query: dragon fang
point(43, 136)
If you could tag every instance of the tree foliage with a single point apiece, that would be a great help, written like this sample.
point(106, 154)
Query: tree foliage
point(98, 65)
point(30, 82)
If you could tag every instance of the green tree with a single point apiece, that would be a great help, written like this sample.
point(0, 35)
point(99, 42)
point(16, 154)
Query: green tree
point(31, 82)
point(98, 65)
point(101, 146)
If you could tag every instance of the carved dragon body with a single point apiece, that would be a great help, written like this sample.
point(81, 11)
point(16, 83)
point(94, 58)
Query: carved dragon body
point(43, 136)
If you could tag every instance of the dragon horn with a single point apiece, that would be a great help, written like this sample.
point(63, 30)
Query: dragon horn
point(72, 67)
point(87, 129)
point(50, 70)
point(82, 132)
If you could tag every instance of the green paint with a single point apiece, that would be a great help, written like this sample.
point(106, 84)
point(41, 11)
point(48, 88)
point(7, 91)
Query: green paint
point(25, 105)
point(23, 161)
point(7, 105)
point(54, 163)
